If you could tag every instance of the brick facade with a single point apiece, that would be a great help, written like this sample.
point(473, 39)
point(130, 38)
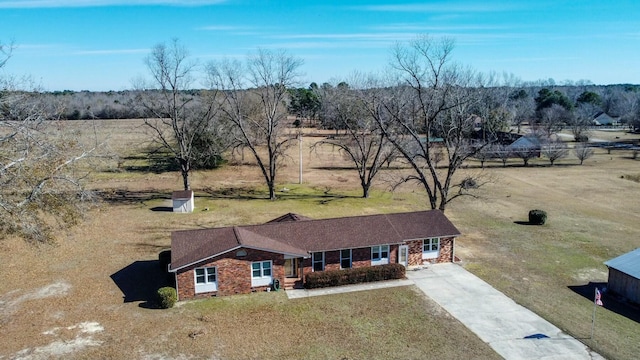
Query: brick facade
point(360, 257)
point(234, 274)
point(445, 254)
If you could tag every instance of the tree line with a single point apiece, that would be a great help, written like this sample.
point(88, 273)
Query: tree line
point(425, 112)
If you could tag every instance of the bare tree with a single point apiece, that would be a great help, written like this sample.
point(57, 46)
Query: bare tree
point(522, 106)
point(176, 117)
point(553, 119)
point(501, 152)
point(254, 101)
point(5, 53)
point(43, 165)
point(583, 151)
point(555, 150)
point(484, 154)
point(362, 142)
point(584, 114)
point(431, 108)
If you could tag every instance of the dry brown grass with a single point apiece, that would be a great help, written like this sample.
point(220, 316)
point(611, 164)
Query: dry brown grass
point(63, 297)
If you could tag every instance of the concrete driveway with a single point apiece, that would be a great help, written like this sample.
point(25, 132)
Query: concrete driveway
point(494, 317)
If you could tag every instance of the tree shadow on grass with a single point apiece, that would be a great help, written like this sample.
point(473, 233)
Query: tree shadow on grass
point(140, 281)
point(242, 193)
point(119, 196)
point(611, 302)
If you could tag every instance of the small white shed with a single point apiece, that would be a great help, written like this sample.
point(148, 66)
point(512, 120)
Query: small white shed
point(183, 201)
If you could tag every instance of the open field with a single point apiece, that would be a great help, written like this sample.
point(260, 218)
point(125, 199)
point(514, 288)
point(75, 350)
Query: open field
point(88, 296)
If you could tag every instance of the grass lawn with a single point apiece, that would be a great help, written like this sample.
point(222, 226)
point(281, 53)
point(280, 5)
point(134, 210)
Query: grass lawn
point(387, 323)
point(87, 296)
point(592, 217)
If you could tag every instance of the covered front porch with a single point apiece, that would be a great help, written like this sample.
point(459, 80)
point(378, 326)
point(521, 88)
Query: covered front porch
point(293, 273)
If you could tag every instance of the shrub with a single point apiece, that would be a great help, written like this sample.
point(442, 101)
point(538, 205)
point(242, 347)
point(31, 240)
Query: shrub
point(582, 138)
point(537, 217)
point(330, 278)
point(167, 297)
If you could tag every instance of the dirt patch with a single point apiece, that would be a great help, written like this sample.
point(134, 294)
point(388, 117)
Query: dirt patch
point(69, 340)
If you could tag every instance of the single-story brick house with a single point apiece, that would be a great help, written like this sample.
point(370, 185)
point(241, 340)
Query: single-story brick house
point(241, 259)
point(624, 275)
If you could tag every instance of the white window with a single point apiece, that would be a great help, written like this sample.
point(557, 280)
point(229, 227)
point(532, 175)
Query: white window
point(261, 273)
point(379, 255)
point(430, 248)
point(206, 279)
point(318, 261)
point(345, 259)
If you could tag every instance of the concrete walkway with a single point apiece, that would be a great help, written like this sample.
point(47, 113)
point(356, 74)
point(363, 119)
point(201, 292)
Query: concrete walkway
point(491, 315)
point(302, 293)
point(494, 317)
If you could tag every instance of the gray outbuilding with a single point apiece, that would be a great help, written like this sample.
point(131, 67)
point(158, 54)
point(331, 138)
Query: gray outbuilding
point(624, 275)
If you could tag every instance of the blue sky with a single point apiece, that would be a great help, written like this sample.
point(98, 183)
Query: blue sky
point(101, 44)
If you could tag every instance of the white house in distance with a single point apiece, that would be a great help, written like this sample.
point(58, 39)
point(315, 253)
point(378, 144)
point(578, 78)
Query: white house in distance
point(182, 201)
point(605, 120)
point(624, 275)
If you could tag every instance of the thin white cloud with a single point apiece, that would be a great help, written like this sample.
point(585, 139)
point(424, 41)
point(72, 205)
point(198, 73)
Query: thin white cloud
point(428, 28)
point(443, 7)
point(22, 47)
point(112, 52)
point(228, 28)
point(32, 4)
point(328, 45)
point(352, 36)
point(558, 59)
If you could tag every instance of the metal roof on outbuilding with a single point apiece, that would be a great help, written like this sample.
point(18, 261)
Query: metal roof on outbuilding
point(628, 263)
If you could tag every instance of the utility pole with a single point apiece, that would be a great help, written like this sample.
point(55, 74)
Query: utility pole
point(300, 155)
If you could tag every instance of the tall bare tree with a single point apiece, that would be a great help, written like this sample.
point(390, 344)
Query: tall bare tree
point(43, 164)
point(360, 138)
point(255, 96)
point(431, 111)
point(177, 116)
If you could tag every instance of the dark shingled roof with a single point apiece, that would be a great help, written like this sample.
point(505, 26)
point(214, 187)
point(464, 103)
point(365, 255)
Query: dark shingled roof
point(300, 238)
point(289, 217)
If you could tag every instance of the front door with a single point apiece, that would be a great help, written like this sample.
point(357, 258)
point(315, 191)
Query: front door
point(291, 268)
point(403, 255)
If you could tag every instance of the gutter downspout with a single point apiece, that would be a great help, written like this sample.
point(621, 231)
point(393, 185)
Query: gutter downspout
point(453, 251)
point(175, 279)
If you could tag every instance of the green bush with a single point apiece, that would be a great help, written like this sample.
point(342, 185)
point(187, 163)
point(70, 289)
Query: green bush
point(330, 278)
point(167, 297)
point(537, 217)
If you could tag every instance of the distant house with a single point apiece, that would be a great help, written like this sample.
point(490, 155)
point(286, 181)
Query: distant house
point(241, 259)
point(182, 201)
point(526, 144)
point(624, 275)
point(605, 120)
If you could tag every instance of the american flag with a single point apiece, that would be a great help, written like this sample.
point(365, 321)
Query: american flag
point(598, 299)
